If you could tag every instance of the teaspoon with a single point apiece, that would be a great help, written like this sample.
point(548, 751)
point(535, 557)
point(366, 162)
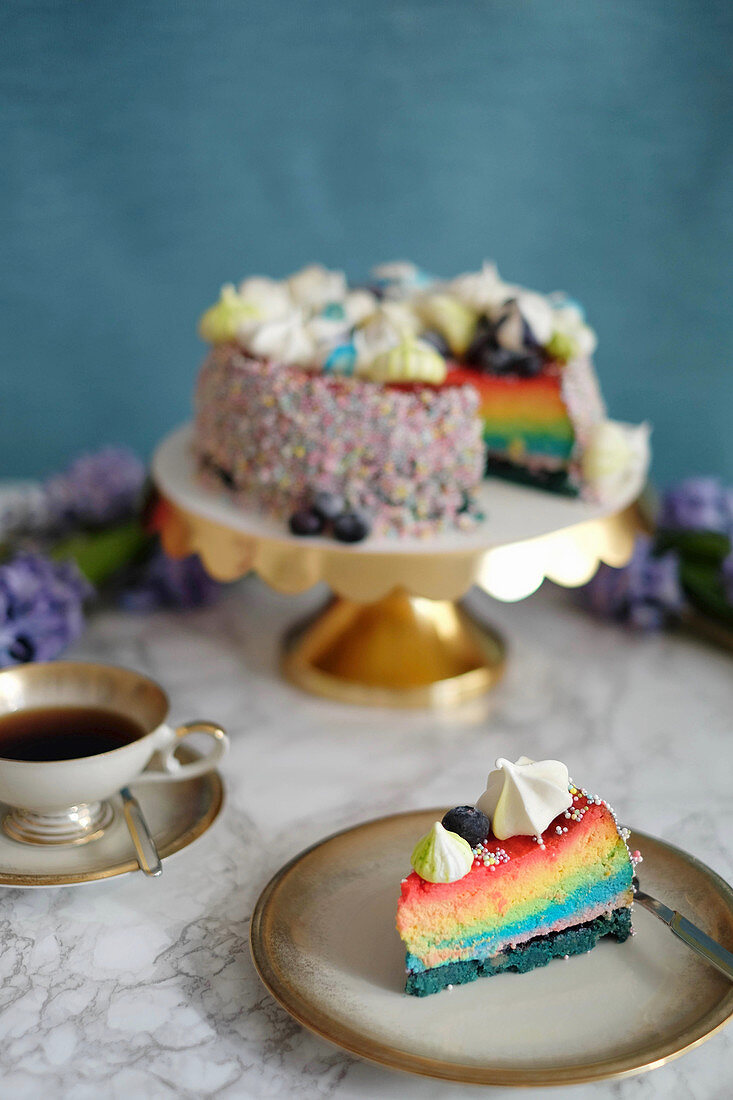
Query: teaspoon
point(147, 853)
point(689, 933)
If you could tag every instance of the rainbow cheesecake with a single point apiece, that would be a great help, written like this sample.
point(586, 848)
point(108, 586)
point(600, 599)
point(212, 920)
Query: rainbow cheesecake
point(382, 408)
point(538, 869)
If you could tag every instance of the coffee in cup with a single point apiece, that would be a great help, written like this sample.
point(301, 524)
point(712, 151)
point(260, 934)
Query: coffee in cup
point(72, 734)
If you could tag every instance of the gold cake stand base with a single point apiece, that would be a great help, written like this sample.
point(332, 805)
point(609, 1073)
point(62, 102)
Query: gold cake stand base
point(399, 651)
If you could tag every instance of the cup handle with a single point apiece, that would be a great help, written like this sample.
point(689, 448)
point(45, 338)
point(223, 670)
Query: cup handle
point(172, 769)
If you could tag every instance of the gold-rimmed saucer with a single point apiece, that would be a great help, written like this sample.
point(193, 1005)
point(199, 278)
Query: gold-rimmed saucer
point(177, 814)
point(323, 941)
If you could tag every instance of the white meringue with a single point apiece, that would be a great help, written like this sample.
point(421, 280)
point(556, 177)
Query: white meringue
point(396, 271)
point(315, 286)
point(482, 290)
point(569, 329)
point(528, 309)
point(522, 798)
point(358, 305)
point(384, 329)
point(328, 331)
point(286, 340)
point(538, 314)
point(615, 458)
point(270, 298)
point(400, 279)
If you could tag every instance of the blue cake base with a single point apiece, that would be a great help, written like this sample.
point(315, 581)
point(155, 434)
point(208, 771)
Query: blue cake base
point(527, 956)
point(554, 481)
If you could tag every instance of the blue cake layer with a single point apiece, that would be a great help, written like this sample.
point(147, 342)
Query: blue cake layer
point(527, 956)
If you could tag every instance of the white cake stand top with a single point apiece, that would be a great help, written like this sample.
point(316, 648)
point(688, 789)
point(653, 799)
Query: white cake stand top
point(528, 534)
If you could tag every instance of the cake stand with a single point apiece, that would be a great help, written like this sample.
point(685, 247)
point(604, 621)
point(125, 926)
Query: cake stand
point(394, 634)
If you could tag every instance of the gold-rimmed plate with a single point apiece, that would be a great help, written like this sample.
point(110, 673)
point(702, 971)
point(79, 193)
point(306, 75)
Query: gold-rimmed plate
point(324, 944)
point(177, 815)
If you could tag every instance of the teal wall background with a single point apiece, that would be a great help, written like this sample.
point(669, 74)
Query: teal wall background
point(152, 151)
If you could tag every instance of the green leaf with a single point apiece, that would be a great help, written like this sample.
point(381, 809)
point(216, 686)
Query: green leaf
point(703, 546)
point(101, 554)
point(703, 586)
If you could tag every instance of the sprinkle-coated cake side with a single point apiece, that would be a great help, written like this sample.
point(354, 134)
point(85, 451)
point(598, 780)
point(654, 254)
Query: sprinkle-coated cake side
point(412, 457)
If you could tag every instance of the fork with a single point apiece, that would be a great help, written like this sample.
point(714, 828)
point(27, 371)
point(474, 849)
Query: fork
point(689, 933)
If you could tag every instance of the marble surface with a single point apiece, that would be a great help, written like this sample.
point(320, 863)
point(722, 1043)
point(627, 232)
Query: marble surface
point(145, 989)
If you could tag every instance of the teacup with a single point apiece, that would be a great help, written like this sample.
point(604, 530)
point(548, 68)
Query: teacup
point(65, 801)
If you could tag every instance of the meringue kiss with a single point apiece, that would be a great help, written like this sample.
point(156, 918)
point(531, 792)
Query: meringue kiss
point(523, 797)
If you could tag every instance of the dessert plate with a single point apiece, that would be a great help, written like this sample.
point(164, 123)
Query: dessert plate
point(324, 943)
point(177, 813)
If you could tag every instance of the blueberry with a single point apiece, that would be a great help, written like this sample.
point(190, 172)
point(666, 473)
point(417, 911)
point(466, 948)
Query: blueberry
point(469, 823)
point(527, 366)
point(438, 341)
point(225, 477)
point(351, 527)
point(21, 649)
point(306, 522)
point(489, 357)
point(328, 505)
point(483, 345)
point(484, 329)
point(496, 360)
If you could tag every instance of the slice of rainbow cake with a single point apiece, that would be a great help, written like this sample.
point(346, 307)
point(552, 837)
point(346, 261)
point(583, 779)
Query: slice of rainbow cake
point(538, 869)
point(534, 428)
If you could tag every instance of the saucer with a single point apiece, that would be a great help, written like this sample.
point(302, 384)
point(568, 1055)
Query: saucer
point(177, 814)
point(324, 943)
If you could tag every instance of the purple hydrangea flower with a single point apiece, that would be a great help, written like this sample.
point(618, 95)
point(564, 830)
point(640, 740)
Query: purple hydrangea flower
point(727, 570)
point(653, 579)
point(605, 592)
point(728, 510)
point(646, 617)
point(645, 593)
point(40, 608)
point(170, 582)
point(695, 504)
point(96, 489)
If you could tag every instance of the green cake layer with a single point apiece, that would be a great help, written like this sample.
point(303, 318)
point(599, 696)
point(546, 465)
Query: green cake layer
point(527, 956)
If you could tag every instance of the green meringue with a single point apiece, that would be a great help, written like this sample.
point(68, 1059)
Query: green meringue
point(442, 856)
point(453, 319)
point(562, 347)
point(411, 360)
point(220, 324)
